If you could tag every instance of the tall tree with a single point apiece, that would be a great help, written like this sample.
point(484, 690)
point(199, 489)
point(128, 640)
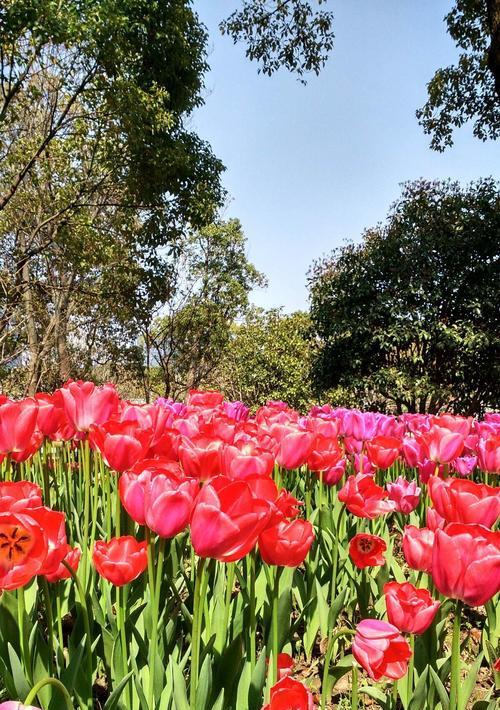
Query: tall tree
point(268, 357)
point(99, 176)
point(209, 286)
point(409, 317)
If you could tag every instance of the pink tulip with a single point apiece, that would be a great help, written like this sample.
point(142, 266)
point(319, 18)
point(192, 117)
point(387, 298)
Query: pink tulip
point(459, 500)
point(405, 495)
point(381, 650)
point(442, 445)
point(168, 504)
point(417, 547)
point(86, 404)
point(409, 609)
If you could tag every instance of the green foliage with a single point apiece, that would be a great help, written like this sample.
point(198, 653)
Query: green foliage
point(100, 178)
point(466, 91)
point(288, 34)
point(409, 317)
point(209, 285)
point(268, 357)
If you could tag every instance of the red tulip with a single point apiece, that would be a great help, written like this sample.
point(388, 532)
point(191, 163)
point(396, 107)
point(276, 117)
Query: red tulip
point(53, 524)
point(17, 496)
point(294, 445)
point(86, 404)
point(334, 474)
point(286, 543)
point(121, 560)
point(52, 420)
point(168, 503)
point(205, 398)
point(410, 609)
point(383, 451)
point(367, 550)
point(417, 547)
point(466, 563)
point(244, 459)
point(23, 549)
point(72, 558)
point(441, 445)
point(290, 694)
point(227, 520)
point(405, 495)
point(17, 425)
point(381, 650)
point(200, 457)
point(459, 500)
point(121, 444)
point(489, 453)
point(364, 498)
point(325, 453)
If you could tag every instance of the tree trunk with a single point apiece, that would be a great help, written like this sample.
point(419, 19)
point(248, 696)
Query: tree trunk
point(33, 368)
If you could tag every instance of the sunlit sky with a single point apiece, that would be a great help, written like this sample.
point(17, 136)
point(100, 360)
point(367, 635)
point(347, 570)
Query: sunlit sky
point(309, 168)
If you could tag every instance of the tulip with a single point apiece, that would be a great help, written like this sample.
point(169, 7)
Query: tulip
point(23, 550)
point(294, 446)
point(466, 563)
point(380, 649)
point(287, 543)
point(364, 498)
point(17, 425)
point(53, 524)
point(459, 500)
point(245, 459)
point(464, 465)
point(489, 453)
point(52, 420)
point(121, 444)
point(405, 494)
point(362, 464)
point(168, 503)
point(360, 425)
point(410, 609)
point(86, 404)
point(204, 398)
point(383, 451)
point(200, 457)
point(16, 705)
point(17, 496)
point(441, 445)
point(121, 560)
point(72, 558)
point(325, 454)
point(367, 550)
point(412, 451)
point(290, 694)
point(334, 474)
point(417, 547)
point(227, 519)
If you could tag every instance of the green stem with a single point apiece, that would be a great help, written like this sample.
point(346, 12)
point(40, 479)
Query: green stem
point(122, 594)
point(22, 620)
point(455, 659)
point(325, 690)
point(395, 694)
point(411, 666)
point(86, 626)
point(50, 621)
point(275, 637)
point(253, 619)
point(196, 632)
point(354, 692)
point(155, 601)
point(222, 631)
point(60, 635)
point(85, 453)
point(335, 554)
point(49, 681)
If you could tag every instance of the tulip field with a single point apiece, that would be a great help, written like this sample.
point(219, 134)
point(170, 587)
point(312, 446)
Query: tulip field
point(197, 556)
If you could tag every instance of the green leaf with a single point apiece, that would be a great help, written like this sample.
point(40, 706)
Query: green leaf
point(111, 702)
point(417, 700)
point(467, 686)
point(18, 677)
point(443, 695)
point(204, 690)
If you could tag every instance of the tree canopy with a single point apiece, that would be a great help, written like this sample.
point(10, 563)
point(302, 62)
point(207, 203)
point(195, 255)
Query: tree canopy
point(409, 317)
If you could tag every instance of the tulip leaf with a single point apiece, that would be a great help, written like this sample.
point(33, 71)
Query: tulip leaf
point(179, 683)
point(111, 702)
point(18, 677)
point(68, 677)
point(443, 695)
point(204, 690)
point(467, 686)
point(219, 703)
point(417, 700)
point(257, 682)
point(7, 678)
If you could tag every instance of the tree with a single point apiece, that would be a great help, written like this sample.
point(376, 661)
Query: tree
point(268, 357)
point(283, 33)
point(469, 91)
point(210, 281)
point(99, 177)
point(409, 317)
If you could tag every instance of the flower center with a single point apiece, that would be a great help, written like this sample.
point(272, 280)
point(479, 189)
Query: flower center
point(15, 544)
point(365, 545)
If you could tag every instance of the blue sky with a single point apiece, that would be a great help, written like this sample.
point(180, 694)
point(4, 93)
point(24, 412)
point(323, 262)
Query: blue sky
point(309, 168)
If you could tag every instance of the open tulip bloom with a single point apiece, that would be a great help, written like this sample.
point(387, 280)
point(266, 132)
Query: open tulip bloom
point(200, 555)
